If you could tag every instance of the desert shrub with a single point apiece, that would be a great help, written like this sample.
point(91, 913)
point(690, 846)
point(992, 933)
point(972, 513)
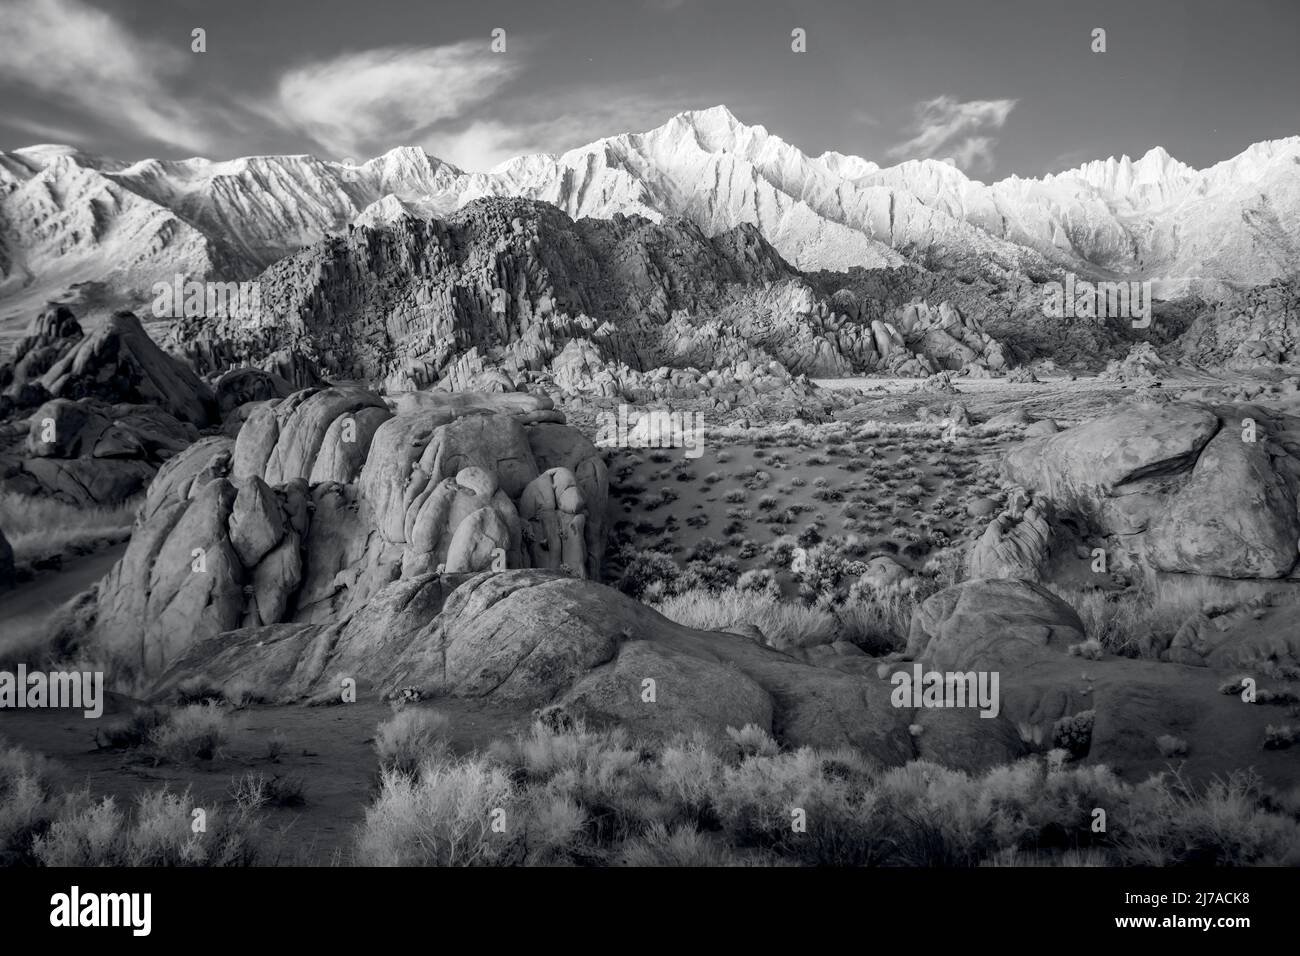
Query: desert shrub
point(130, 730)
point(755, 580)
point(240, 693)
point(828, 571)
point(442, 816)
point(255, 790)
point(600, 770)
point(788, 803)
point(575, 795)
point(931, 816)
point(683, 845)
point(1074, 733)
point(1090, 649)
point(753, 741)
point(689, 770)
point(715, 573)
point(410, 736)
point(158, 830)
point(275, 745)
point(642, 569)
point(1226, 823)
point(27, 803)
point(556, 830)
point(195, 732)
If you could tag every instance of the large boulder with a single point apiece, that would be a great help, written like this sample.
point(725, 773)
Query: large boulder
point(1235, 517)
point(532, 638)
point(324, 499)
point(990, 624)
point(1174, 487)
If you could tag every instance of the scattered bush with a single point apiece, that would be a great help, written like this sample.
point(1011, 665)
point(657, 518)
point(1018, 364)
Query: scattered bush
point(409, 737)
point(195, 732)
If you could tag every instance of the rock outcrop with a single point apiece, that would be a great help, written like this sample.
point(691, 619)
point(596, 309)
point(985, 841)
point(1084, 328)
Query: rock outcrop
point(1177, 487)
point(97, 413)
point(117, 363)
point(507, 293)
point(326, 496)
point(534, 639)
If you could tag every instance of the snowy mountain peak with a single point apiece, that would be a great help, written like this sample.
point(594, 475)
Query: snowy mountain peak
point(68, 217)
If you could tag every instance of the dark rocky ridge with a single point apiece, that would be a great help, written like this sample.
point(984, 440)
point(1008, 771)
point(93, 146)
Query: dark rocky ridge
point(510, 285)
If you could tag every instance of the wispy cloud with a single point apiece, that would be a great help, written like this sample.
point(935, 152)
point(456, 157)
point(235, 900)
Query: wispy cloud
point(578, 116)
point(358, 103)
point(48, 132)
point(947, 129)
point(81, 57)
point(450, 101)
point(460, 101)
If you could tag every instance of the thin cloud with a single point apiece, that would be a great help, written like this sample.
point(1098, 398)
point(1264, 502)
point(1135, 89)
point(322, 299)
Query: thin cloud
point(360, 103)
point(947, 129)
point(81, 57)
point(580, 117)
point(48, 132)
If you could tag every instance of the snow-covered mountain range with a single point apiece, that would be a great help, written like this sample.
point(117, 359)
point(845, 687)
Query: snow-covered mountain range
point(70, 221)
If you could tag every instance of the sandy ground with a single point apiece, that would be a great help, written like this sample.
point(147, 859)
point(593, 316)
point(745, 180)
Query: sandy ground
point(905, 496)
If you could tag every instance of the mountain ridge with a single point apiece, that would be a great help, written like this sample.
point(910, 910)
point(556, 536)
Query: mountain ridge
point(70, 219)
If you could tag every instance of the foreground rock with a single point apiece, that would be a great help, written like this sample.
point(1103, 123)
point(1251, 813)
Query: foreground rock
point(537, 639)
point(327, 496)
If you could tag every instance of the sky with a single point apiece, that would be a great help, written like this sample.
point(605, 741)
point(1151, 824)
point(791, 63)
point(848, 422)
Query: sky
point(997, 88)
